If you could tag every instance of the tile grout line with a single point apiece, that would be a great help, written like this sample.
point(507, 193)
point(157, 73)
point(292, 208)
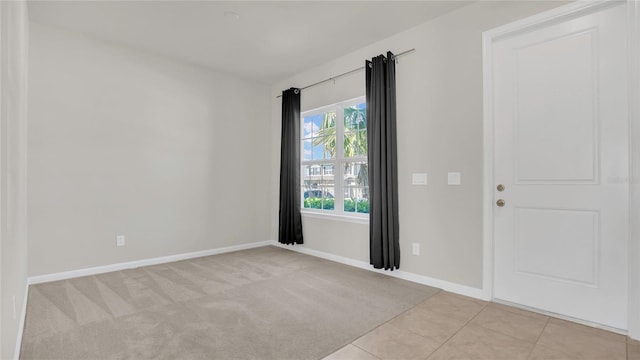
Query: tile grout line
point(365, 350)
point(402, 313)
point(456, 333)
point(511, 336)
point(535, 344)
point(388, 321)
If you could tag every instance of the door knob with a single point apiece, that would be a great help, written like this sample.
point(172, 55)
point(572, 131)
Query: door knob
point(500, 187)
point(500, 202)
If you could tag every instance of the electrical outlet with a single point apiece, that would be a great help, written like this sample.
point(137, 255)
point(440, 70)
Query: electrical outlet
point(120, 240)
point(415, 249)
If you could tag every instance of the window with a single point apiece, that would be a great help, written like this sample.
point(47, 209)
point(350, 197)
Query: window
point(335, 177)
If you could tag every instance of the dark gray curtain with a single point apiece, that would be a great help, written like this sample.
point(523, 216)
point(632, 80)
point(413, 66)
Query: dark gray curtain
point(384, 243)
point(290, 222)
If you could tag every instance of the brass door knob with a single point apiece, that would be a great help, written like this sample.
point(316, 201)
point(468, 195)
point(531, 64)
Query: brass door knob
point(500, 187)
point(500, 202)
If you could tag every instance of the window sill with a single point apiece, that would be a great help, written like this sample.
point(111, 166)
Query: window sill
point(333, 217)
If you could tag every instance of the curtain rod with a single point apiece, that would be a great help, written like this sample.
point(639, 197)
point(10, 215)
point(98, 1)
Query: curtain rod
point(348, 72)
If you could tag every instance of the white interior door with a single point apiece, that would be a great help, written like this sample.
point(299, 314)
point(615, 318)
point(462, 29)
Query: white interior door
point(560, 132)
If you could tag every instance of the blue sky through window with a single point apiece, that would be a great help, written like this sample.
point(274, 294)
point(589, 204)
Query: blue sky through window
point(312, 125)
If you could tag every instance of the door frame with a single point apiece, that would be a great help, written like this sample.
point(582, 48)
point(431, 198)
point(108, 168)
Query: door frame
point(562, 13)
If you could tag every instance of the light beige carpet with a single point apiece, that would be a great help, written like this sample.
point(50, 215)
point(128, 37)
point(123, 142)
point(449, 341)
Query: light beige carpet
point(263, 303)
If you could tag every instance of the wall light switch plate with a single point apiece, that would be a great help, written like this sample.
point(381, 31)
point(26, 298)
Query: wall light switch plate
point(415, 248)
point(453, 178)
point(120, 240)
point(419, 179)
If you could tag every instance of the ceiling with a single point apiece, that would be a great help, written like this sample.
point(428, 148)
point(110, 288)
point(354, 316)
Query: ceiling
point(261, 40)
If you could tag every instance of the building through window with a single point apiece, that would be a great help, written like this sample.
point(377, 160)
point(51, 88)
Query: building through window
point(334, 169)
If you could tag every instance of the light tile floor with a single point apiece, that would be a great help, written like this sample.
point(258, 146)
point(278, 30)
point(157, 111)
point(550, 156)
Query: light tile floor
point(450, 326)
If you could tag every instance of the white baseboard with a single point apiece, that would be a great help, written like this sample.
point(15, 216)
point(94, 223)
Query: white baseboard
point(23, 317)
point(138, 263)
point(420, 279)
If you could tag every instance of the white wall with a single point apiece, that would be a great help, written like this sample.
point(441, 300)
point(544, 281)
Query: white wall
point(124, 142)
point(13, 167)
point(439, 110)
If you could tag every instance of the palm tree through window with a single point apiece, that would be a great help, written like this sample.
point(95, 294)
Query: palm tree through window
point(334, 163)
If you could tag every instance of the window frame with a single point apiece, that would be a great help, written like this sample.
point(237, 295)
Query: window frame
point(338, 163)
